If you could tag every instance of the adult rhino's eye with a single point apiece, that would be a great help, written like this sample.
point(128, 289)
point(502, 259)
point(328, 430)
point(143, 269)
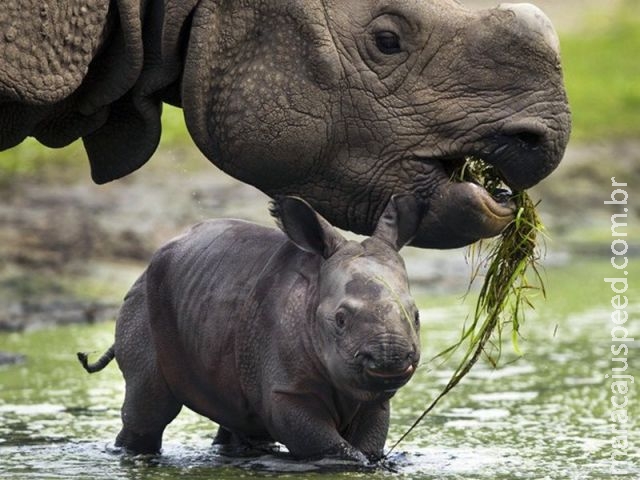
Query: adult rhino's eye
point(340, 319)
point(388, 42)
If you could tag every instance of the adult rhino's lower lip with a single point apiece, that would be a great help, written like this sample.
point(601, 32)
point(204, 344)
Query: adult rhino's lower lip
point(461, 212)
point(501, 209)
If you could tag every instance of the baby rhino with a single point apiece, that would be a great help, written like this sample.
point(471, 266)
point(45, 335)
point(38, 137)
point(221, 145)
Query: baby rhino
point(300, 338)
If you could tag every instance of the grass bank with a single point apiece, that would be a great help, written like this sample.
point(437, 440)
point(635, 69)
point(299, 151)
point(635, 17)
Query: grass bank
point(601, 72)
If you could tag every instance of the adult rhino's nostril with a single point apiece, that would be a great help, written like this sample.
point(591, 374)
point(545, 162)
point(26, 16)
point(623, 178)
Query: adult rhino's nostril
point(534, 20)
point(527, 135)
point(529, 139)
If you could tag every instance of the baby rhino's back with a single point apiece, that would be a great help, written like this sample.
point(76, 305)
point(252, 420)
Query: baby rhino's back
point(196, 289)
point(212, 268)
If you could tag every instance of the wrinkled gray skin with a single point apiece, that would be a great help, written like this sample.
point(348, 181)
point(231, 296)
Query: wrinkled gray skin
point(301, 337)
point(342, 103)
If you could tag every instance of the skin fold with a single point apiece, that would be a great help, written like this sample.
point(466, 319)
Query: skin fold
point(342, 103)
point(297, 336)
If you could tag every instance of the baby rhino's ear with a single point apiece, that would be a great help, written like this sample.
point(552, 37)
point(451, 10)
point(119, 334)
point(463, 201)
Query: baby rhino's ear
point(304, 227)
point(400, 220)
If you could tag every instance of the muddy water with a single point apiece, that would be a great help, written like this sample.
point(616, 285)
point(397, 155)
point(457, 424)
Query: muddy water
point(544, 416)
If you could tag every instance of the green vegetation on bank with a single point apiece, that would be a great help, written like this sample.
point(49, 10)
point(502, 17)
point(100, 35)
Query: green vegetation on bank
point(32, 160)
point(601, 70)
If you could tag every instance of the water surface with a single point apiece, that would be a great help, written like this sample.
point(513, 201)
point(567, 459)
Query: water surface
point(543, 416)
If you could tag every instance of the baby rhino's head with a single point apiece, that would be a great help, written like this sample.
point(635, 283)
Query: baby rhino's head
point(366, 326)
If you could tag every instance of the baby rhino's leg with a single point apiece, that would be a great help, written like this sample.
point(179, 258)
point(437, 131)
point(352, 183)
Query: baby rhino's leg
point(234, 445)
point(149, 406)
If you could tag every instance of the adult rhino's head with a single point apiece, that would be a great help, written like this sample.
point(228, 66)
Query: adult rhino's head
point(365, 328)
point(342, 102)
point(347, 103)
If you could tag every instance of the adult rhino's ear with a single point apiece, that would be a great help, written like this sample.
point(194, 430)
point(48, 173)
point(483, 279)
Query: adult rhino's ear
point(400, 220)
point(304, 227)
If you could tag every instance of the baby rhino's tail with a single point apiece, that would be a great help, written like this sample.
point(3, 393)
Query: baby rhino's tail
point(102, 362)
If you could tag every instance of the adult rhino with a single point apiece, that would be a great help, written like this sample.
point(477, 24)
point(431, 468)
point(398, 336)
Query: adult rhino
point(343, 103)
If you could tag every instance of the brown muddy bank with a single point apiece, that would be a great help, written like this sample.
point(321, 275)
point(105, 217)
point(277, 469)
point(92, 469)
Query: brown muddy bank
point(70, 250)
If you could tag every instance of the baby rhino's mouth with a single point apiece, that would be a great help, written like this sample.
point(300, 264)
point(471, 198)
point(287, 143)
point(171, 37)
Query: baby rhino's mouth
point(390, 374)
point(388, 379)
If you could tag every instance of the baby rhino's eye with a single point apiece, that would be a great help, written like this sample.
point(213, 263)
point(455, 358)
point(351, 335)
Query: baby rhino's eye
point(416, 319)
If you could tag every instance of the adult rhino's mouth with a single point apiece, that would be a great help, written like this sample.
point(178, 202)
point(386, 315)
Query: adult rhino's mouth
point(485, 181)
point(472, 199)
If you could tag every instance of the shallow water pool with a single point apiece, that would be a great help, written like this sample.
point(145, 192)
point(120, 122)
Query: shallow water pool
point(543, 416)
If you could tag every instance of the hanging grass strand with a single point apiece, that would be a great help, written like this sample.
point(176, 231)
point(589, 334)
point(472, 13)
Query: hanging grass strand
point(506, 291)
